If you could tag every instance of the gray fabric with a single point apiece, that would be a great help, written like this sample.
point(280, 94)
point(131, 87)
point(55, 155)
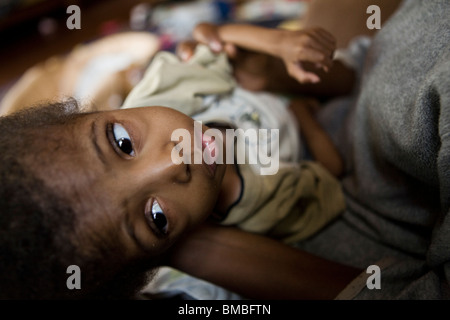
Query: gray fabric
point(396, 143)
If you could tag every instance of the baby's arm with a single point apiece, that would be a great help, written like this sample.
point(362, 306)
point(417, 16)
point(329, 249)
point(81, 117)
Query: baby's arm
point(315, 45)
point(244, 263)
point(260, 64)
point(316, 138)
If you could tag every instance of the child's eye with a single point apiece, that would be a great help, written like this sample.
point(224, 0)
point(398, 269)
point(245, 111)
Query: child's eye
point(122, 139)
point(159, 218)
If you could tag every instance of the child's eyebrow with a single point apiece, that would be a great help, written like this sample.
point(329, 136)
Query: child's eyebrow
point(94, 139)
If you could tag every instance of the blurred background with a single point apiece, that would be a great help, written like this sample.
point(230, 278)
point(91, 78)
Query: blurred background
point(32, 31)
point(41, 59)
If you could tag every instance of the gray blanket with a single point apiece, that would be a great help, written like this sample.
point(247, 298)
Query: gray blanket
point(396, 141)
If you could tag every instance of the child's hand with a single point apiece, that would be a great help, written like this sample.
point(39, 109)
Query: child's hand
point(315, 46)
point(300, 51)
point(185, 49)
point(207, 34)
point(250, 69)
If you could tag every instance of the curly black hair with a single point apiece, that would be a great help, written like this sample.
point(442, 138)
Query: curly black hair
point(38, 241)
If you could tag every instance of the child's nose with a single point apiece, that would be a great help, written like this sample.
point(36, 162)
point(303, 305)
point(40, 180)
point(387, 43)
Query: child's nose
point(172, 169)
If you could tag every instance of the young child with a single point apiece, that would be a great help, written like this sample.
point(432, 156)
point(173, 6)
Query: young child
point(100, 190)
point(97, 190)
point(272, 203)
point(302, 196)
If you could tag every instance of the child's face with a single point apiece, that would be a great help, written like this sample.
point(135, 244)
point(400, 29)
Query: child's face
point(128, 174)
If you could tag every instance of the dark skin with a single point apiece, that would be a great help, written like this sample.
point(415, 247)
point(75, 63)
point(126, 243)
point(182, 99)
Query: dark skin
point(245, 262)
point(291, 62)
point(277, 70)
point(258, 71)
point(319, 142)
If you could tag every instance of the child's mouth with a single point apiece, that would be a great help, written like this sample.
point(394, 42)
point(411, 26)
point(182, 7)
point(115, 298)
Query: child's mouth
point(209, 153)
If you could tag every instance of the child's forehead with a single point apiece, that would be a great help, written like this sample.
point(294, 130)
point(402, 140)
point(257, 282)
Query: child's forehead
point(63, 153)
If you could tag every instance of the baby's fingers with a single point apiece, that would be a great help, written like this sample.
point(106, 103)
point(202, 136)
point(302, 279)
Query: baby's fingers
point(317, 57)
point(206, 33)
point(185, 50)
point(297, 71)
point(321, 41)
point(324, 37)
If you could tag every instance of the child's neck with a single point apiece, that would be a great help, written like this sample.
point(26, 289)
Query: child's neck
point(230, 189)
point(231, 184)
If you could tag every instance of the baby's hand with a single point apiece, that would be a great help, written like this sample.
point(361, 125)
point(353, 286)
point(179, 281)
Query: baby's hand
point(315, 46)
point(185, 49)
point(207, 34)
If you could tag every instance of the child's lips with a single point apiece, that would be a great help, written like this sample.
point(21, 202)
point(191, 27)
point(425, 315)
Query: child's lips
point(209, 145)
